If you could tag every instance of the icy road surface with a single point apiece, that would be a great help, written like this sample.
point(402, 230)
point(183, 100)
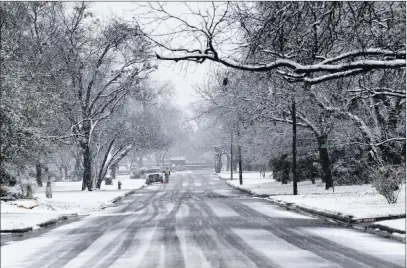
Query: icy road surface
point(198, 221)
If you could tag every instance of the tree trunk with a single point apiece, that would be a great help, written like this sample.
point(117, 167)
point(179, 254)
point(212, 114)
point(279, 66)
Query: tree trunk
point(218, 166)
point(218, 160)
point(324, 160)
point(38, 168)
point(78, 171)
point(285, 168)
point(227, 162)
point(99, 183)
point(239, 152)
point(234, 162)
point(239, 155)
point(113, 171)
point(87, 158)
point(140, 161)
point(65, 172)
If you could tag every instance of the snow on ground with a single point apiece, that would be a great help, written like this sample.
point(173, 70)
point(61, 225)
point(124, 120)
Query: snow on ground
point(253, 176)
point(376, 246)
point(357, 204)
point(399, 224)
point(281, 252)
point(360, 201)
point(67, 198)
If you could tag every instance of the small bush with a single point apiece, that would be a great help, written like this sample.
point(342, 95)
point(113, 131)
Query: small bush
point(388, 181)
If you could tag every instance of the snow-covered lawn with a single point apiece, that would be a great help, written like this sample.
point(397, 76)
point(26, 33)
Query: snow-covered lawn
point(399, 224)
point(359, 201)
point(254, 177)
point(67, 198)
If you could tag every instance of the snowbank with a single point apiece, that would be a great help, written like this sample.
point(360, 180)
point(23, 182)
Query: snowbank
point(67, 199)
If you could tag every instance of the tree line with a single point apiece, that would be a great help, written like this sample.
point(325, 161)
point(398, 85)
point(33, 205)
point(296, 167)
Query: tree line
point(341, 63)
point(76, 93)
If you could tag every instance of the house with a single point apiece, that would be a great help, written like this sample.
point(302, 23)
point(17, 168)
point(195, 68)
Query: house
point(177, 161)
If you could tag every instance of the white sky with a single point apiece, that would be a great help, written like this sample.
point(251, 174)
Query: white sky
point(182, 80)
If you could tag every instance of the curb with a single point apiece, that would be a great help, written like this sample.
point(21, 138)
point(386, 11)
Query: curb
point(114, 200)
point(18, 231)
point(247, 191)
point(53, 221)
point(41, 225)
point(385, 228)
point(347, 220)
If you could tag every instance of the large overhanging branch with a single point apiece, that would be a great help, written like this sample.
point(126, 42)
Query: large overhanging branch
point(301, 73)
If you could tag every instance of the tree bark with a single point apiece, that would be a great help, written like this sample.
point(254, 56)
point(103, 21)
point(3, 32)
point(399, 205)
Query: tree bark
point(285, 168)
point(227, 162)
point(38, 168)
point(234, 162)
point(87, 167)
point(324, 160)
point(239, 152)
point(239, 155)
point(78, 172)
point(113, 171)
point(65, 172)
point(218, 160)
point(140, 161)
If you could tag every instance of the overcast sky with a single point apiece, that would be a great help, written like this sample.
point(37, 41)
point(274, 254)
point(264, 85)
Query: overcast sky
point(183, 80)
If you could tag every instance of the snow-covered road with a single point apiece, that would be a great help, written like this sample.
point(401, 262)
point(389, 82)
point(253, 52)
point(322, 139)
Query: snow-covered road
point(198, 221)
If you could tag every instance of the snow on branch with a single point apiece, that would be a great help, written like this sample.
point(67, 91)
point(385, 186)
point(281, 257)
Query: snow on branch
point(379, 143)
point(299, 71)
point(378, 91)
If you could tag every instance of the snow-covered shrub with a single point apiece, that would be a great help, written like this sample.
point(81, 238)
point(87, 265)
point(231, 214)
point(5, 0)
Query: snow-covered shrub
point(351, 172)
point(388, 181)
point(350, 166)
point(5, 177)
point(308, 168)
point(27, 184)
point(3, 191)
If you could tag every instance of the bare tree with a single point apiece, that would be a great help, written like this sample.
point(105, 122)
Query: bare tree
point(102, 65)
point(341, 38)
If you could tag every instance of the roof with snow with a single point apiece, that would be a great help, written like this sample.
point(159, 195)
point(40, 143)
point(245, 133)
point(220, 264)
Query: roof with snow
point(178, 158)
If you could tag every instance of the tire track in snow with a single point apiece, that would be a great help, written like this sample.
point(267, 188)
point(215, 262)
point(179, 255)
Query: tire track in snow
point(321, 247)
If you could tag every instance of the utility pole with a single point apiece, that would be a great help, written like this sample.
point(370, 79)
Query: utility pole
point(239, 153)
point(294, 147)
point(231, 154)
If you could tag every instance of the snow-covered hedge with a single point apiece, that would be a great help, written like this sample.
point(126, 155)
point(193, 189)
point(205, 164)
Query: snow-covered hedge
point(388, 181)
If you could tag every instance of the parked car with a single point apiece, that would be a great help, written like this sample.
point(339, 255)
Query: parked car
point(153, 175)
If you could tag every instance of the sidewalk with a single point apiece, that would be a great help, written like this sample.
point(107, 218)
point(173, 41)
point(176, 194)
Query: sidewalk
point(67, 200)
point(350, 204)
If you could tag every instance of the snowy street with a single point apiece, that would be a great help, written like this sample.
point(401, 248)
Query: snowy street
point(197, 220)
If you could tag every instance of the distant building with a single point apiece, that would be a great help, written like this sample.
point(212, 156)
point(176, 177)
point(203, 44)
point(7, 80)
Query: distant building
point(177, 161)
